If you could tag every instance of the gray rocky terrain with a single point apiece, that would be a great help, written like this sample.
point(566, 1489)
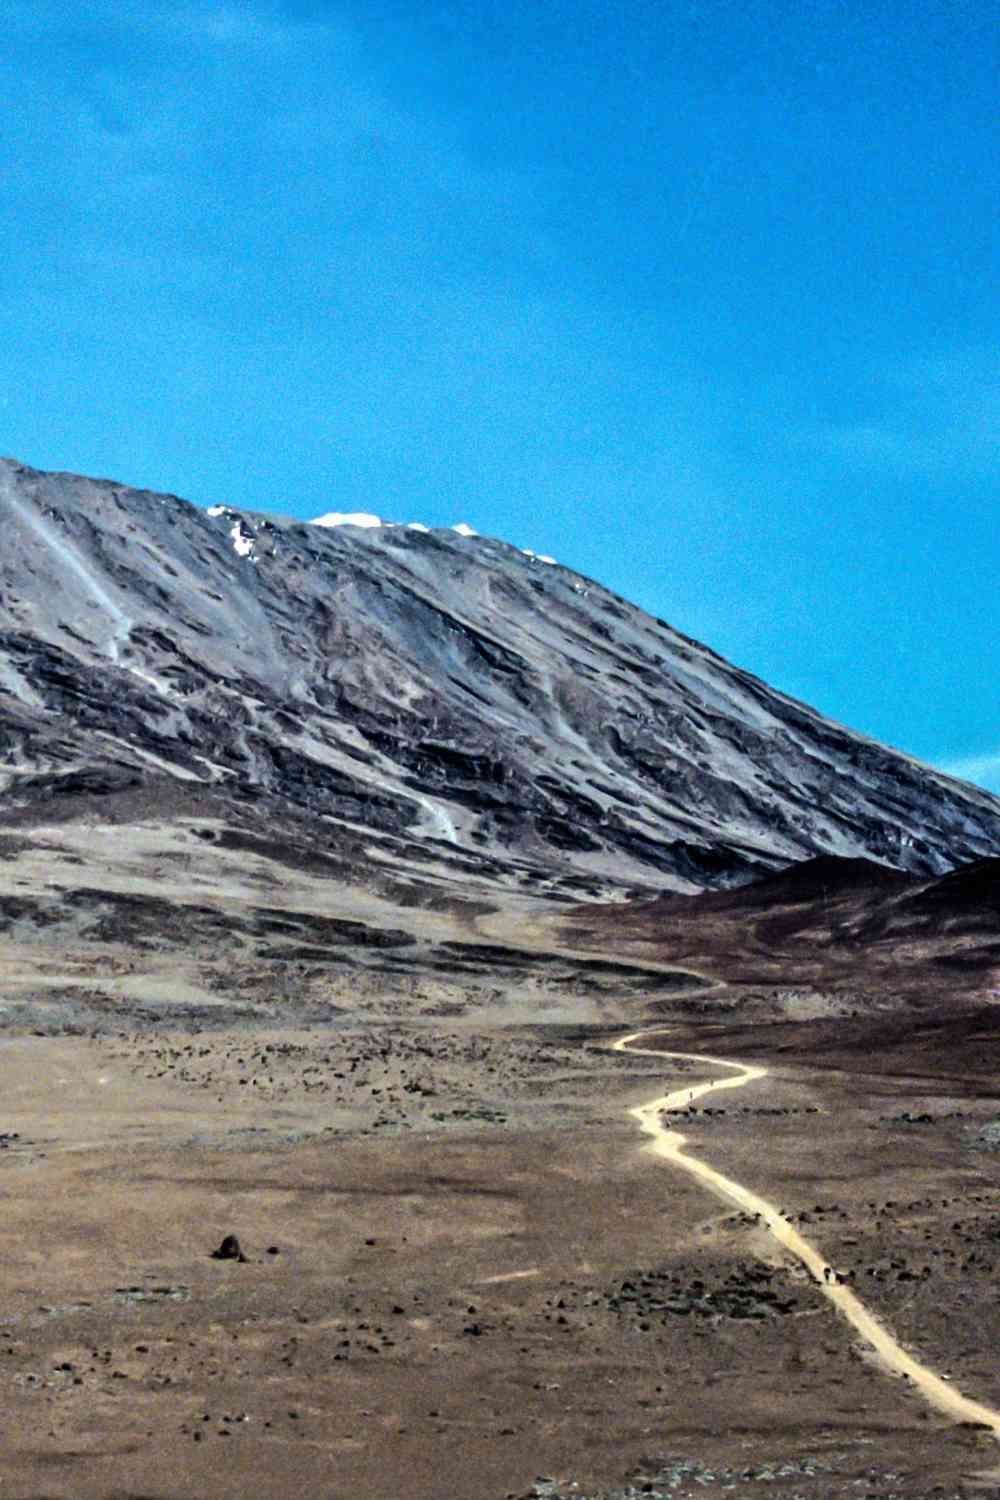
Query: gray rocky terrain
point(444, 702)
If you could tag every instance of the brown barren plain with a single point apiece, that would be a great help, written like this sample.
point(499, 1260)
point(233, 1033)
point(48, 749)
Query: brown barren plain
point(464, 1276)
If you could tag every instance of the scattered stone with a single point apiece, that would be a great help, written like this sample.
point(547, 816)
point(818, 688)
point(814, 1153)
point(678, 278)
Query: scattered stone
point(229, 1250)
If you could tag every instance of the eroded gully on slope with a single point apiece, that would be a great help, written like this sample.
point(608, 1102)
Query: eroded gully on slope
point(669, 1144)
point(71, 559)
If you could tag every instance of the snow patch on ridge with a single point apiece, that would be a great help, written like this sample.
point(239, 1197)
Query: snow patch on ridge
point(243, 535)
point(241, 532)
point(347, 518)
point(365, 518)
point(242, 541)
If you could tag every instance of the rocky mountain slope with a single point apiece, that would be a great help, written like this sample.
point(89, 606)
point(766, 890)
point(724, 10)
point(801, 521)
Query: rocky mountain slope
point(495, 715)
point(831, 926)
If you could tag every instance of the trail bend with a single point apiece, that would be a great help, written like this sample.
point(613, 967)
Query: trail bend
point(669, 1144)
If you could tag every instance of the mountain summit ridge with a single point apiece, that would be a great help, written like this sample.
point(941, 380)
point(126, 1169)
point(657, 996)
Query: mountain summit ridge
point(507, 716)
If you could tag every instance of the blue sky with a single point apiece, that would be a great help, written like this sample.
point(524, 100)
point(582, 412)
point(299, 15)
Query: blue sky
point(699, 298)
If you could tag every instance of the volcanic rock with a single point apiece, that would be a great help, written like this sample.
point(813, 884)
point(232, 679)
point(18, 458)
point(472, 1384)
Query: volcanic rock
point(443, 697)
point(229, 1250)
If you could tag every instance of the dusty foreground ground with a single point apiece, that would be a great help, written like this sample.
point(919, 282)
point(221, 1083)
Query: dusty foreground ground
point(462, 1277)
point(439, 1302)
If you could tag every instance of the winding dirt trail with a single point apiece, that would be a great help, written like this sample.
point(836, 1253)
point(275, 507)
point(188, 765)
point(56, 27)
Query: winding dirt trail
point(669, 1144)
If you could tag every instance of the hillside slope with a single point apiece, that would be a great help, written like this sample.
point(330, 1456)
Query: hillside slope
point(507, 716)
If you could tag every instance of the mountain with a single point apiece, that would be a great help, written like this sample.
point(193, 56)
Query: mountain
point(438, 699)
point(831, 926)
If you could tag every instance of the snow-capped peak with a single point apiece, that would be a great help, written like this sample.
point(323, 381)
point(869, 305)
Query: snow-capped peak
point(365, 518)
point(243, 535)
point(347, 518)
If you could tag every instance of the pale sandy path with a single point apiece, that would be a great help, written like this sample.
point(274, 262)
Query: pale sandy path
point(669, 1144)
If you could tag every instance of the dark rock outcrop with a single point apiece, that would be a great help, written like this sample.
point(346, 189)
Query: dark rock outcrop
point(230, 1249)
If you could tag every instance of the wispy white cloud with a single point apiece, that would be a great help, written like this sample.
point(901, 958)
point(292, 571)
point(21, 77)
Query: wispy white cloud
point(231, 25)
point(929, 415)
point(258, 23)
point(984, 770)
point(208, 134)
